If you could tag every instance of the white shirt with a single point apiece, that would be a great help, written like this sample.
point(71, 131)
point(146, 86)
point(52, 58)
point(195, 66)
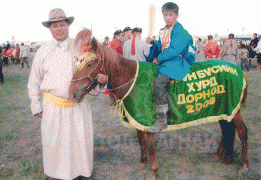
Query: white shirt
point(51, 72)
point(23, 52)
point(142, 50)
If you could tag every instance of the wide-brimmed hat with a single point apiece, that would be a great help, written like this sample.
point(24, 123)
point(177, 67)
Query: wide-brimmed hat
point(55, 15)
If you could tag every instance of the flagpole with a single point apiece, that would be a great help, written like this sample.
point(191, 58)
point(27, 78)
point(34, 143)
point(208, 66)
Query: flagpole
point(152, 11)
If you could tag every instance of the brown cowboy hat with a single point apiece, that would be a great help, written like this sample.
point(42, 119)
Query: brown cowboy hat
point(55, 15)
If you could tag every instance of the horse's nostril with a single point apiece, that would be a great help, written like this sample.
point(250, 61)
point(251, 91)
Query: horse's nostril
point(74, 95)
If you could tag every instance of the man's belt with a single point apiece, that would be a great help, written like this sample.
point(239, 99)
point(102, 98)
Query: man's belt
point(57, 101)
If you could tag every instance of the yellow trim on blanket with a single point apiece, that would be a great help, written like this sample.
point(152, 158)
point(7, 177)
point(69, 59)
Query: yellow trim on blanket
point(120, 101)
point(134, 81)
point(134, 124)
point(57, 101)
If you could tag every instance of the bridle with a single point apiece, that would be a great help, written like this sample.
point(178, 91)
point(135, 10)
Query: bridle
point(92, 79)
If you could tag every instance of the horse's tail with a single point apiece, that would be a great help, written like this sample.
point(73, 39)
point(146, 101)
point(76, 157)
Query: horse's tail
point(245, 90)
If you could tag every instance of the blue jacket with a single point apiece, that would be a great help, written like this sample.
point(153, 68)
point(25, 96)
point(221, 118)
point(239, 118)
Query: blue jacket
point(171, 64)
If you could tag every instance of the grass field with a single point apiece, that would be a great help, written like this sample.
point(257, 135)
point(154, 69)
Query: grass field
point(182, 154)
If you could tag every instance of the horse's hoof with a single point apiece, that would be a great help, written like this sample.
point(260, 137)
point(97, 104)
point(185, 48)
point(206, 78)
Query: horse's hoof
point(216, 157)
point(142, 165)
point(143, 162)
point(151, 175)
point(244, 168)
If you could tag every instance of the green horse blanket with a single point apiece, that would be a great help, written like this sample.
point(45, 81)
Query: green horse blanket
point(211, 91)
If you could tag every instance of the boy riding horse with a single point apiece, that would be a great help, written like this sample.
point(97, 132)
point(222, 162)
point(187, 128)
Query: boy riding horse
point(174, 55)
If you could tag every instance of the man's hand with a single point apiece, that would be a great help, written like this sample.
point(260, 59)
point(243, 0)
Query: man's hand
point(102, 79)
point(155, 61)
point(40, 114)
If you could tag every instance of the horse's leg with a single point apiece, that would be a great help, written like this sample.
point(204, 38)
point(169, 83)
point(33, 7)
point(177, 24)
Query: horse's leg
point(220, 149)
point(242, 132)
point(152, 156)
point(142, 136)
point(226, 146)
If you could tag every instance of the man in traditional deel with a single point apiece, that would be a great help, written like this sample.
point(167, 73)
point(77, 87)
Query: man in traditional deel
point(66, 127)
point(229, 50)
point(136, 48)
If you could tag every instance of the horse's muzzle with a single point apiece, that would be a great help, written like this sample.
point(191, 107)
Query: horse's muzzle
point(77, 96)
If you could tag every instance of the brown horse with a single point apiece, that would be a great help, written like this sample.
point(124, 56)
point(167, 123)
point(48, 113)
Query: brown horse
point(121, 73)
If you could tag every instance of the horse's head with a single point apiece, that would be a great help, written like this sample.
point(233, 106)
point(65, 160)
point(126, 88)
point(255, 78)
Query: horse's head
point(85, 41)
point(87, 65)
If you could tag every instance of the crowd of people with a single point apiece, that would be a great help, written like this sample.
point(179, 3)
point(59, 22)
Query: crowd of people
point(17, 54)
point(238, 52)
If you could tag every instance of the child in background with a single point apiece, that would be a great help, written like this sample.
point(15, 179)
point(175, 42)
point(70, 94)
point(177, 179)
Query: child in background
point(244, 56)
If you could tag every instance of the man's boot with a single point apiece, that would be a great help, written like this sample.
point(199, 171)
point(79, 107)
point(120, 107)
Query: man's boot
point(22, 65)
point(162, 119)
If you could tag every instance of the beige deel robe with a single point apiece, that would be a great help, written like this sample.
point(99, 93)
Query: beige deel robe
point(229, 52)
point(67, 133)
point(200, 54)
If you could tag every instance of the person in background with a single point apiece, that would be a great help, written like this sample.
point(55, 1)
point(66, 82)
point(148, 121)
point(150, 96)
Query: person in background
point(17, 53)
point(257, 50)
point(252, 45)
point(1, 66)
point(115, 44)
point(200, 54)
point(136, 48)
point(5, 57)
point(106, 41)
point(244, 56)
point(127, 34)
point(23, 55)
point(212, 49)
point(229, 50)
point(239, 50)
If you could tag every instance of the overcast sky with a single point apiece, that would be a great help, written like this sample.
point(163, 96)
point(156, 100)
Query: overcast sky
point(22, 18)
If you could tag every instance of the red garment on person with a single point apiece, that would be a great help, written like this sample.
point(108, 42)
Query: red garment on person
point(212, 48)
point(9, 52)
point(106, 44)
point(116, 46)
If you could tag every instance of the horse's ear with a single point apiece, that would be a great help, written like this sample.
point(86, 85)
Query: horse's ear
point(94, 44)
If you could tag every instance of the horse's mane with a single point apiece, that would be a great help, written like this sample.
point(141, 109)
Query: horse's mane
point(110, 57)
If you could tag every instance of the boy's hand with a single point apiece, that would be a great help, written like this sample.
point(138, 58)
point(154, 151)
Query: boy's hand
point(102, 79)
point(155, 61)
